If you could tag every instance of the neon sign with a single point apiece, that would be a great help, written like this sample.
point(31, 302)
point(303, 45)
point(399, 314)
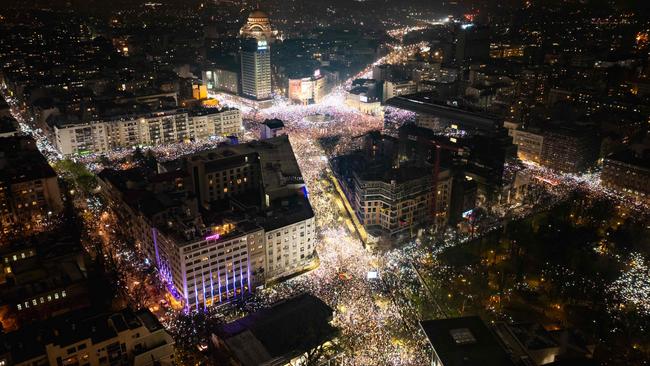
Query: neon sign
point(213, 237)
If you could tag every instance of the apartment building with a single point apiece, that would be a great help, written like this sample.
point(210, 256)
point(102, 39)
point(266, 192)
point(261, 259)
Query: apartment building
point(628, 171)
point(85, 338)
point(392, 198)
point(29, 190)
point(41, 277)
point(70, 136)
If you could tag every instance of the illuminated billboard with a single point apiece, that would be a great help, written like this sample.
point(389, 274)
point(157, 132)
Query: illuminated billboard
point(262, 45)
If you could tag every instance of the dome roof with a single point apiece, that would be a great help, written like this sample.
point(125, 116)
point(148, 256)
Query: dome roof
point(257, 13)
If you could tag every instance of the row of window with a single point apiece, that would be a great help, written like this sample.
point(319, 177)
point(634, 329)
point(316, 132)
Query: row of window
point(41, 300)
point(18, 256)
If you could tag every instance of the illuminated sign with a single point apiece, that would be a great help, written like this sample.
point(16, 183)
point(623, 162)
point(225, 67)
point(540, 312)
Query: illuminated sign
point(363, 98)
point(213, 237)
point(317, 73)
point(262, 45)
point(373, 275)
point(467, 213)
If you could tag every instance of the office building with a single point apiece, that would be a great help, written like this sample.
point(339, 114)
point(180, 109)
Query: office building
point(463, 199)
point(364, 97)
point(529, 144)
point(221, 222)
point(29, 189)
point(381, 72)
point(359, 99)
point(472, 43)
point(438, 114)
point(256, 70)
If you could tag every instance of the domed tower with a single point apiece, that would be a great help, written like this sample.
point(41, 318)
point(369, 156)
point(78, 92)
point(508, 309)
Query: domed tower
point(258, 26)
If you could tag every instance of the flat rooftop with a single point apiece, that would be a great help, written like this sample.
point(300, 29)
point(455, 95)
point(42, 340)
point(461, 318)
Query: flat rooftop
point(382, 171)
point(469, 118)
point(465, 341)
point(22, 160)
point(632, 157)
point(281, 180)
point(8, 124)
point(274, 123)
point(30, 341)
point(278, 162)
point(284, 330)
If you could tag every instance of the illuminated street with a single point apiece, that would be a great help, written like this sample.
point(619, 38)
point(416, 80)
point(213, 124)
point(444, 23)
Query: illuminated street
point(432, 183)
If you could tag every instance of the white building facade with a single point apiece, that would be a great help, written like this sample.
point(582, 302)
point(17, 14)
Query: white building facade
point(152, 129)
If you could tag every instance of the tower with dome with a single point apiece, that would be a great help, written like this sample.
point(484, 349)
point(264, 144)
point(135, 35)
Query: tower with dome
point(258, 26)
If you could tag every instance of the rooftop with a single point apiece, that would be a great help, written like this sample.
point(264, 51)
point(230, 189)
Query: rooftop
point(632, 157)
point(8, 124)
point(168, 200)
point(20, 160)
point(30, 341)
point(257, 13)
point(471, 118)
point(274, 123)
point(465, 341)
point(284, 330)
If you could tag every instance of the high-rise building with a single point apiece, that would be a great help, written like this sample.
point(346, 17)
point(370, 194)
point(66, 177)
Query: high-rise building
point(473, 43)
point(256, 70)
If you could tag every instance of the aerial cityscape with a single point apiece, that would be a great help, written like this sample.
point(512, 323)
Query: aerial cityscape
point(335, 182)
